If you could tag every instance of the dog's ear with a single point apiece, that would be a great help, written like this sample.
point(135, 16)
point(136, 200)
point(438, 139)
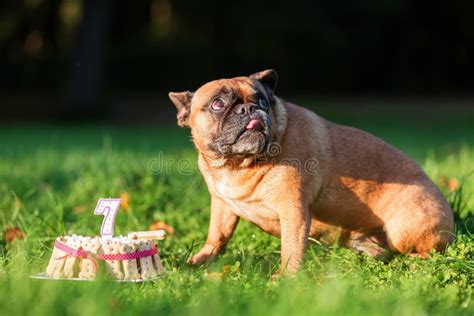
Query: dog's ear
point(182, 101)
point(268, 78)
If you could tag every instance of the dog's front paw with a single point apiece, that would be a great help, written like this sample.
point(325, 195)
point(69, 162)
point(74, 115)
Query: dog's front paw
point(207, 253)
point(286, 271)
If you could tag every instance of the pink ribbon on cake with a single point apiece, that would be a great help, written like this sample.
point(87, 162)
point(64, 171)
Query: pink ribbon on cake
point(128, 256)
point(83, 254)
point(78, 253)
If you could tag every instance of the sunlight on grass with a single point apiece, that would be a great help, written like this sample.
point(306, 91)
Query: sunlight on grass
point(50, 181)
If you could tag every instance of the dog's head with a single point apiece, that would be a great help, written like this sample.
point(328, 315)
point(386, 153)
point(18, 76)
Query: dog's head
point(230, 117)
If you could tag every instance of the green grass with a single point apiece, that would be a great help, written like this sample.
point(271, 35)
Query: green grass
point(52, 176)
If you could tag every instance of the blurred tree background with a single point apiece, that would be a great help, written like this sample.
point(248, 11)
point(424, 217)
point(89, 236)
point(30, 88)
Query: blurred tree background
point(75, 58)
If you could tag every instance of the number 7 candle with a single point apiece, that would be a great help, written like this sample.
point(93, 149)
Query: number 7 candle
point(108, 208)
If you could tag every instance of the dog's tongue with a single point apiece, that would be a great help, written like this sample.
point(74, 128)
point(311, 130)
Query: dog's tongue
point(253, 124)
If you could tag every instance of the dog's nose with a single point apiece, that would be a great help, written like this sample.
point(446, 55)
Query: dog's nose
point(246, 108)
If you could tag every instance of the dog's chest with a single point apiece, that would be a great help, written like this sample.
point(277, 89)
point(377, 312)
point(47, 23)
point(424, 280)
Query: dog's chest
point(244, 201)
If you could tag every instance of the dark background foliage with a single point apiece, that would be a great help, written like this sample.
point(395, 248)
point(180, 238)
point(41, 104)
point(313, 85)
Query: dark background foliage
point(84, 55)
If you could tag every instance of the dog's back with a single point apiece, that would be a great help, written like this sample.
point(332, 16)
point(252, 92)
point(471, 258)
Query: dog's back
point(370, 190)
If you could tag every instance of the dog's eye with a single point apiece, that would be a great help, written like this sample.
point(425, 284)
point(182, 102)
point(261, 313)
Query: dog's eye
point(217, 104)
point(263, 104)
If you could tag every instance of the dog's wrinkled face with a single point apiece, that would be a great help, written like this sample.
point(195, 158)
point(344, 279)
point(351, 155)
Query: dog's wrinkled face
point(230, 117)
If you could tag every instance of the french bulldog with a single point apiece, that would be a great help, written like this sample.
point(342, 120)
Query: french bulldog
point(296, 175)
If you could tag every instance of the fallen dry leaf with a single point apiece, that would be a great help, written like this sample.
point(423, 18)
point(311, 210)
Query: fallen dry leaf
point(12, 234)
point(79, 209)
point(453, 184)
point(226, 268)
point(125, 201)
point(162, 225)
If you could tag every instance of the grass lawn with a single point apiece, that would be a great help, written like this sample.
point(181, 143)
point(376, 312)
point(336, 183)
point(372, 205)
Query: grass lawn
point(52, 176)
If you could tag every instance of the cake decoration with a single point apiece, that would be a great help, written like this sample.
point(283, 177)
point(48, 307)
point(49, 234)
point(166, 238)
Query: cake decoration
point(108, 208)
point(131, 258)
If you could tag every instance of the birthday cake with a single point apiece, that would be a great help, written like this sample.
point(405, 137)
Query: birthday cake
point(131, 258)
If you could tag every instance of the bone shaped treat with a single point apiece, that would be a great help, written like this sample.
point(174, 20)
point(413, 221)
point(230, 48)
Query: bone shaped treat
point(130, 267)
point(147, 269)
point(114, 267)
point(57, 260)
point(71, 266)
point(88, 264)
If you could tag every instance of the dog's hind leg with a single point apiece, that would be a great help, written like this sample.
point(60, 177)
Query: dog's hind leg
point(420, 221)
point(418, 237)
